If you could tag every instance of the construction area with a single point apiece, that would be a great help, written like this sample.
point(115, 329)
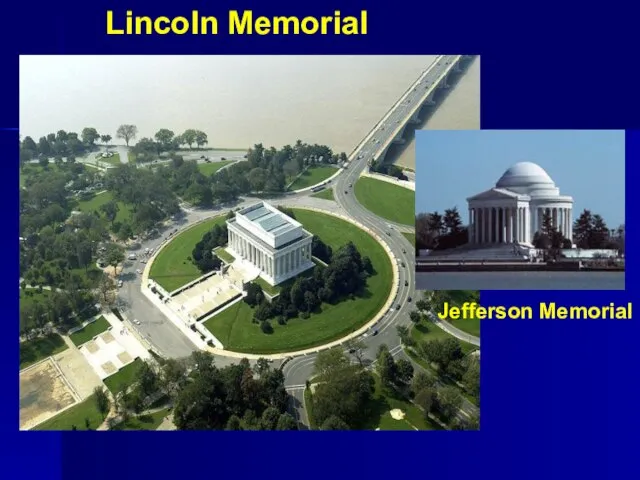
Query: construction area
point(44, 392)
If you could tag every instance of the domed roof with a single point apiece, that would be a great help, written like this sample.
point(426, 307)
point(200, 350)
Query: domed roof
point(524, 174)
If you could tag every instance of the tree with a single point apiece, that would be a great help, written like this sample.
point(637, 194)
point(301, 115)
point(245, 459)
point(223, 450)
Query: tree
point(234, 423)
point(414, 316)
point(106, 287)
point(127, 133)
point(471, 377)
point(426, 399)
point(357, 348)
point(113, 255)
point(262, 366)
point(254, 294)
point(386, 366)
point(89, 135)
point(102, 401)
point(110, 210)
point(449, 402)
point(189, 137)
point(403, 333)
point(164, 137)
point(30, 145)
point(286, 422)
point(105, 139)
point(404, 371)
point(329, 362)
point(345, 389)
point(270, 418)
point(200, 138)
point(422, 305)
point(334, 423)
point(422, 380)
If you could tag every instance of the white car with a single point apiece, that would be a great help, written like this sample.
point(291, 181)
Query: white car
point(136, 321)
point(120, 283)
point(139, 272)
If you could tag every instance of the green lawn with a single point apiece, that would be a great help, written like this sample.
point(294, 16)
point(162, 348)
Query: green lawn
point(90, 331)
point(224, 255)
point(425, 330)
point(411, 237)
point(386, 200)
point(94, 204)
point(312, 176)
point(233, 326)
point(115, 160)
point(209, 169)
point(149, 421)
point(173, 268)
point(75, 415)
point(327, 194)
point(33, 351)
point(122, 377)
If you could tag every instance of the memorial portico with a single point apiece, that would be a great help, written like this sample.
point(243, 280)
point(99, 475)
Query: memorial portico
point(273, 242)
point(513, 211)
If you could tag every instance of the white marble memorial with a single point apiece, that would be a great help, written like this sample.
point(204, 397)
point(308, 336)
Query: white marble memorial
point(512, 212)
point(270, 240)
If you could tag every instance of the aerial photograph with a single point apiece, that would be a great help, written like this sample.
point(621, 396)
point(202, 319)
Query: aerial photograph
point(229, 243)
point(520, 210)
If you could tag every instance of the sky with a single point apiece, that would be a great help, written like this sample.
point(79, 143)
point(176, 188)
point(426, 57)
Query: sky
point(589, 165)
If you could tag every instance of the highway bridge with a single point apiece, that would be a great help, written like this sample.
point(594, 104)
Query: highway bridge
point(406, 111)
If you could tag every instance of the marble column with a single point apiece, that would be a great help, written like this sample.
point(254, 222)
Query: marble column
point(509, 226)
point(527, 214)
point(485, 225)
point(503, 224)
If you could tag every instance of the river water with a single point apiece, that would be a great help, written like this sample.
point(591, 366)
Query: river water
point(237, 100)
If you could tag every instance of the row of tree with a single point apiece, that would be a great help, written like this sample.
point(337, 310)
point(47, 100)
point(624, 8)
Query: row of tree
point(203, 396)
point(165, 140)
point(377, 166)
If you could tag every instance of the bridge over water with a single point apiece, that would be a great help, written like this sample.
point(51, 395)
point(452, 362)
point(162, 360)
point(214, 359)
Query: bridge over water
point(391, 128)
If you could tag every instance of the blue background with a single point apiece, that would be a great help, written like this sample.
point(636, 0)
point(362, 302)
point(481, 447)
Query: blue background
point(558, 397)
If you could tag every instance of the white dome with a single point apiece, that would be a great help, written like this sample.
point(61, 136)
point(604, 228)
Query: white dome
point(525, 174)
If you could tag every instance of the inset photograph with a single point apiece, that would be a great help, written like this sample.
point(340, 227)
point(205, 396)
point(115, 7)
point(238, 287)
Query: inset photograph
point(520, 210)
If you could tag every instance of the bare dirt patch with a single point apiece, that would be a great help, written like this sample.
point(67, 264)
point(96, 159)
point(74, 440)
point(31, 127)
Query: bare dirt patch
point(107, 337)
point(43, 393)
point(109, 368)
point(78, 372)
point(92, 347)
point(125, 358)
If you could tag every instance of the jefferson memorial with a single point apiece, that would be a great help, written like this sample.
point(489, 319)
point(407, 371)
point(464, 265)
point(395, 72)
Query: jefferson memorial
point(271, 241)
point(512, 211)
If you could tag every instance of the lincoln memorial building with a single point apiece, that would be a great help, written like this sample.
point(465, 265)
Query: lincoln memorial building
point(512, 212)
point(273, 242)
